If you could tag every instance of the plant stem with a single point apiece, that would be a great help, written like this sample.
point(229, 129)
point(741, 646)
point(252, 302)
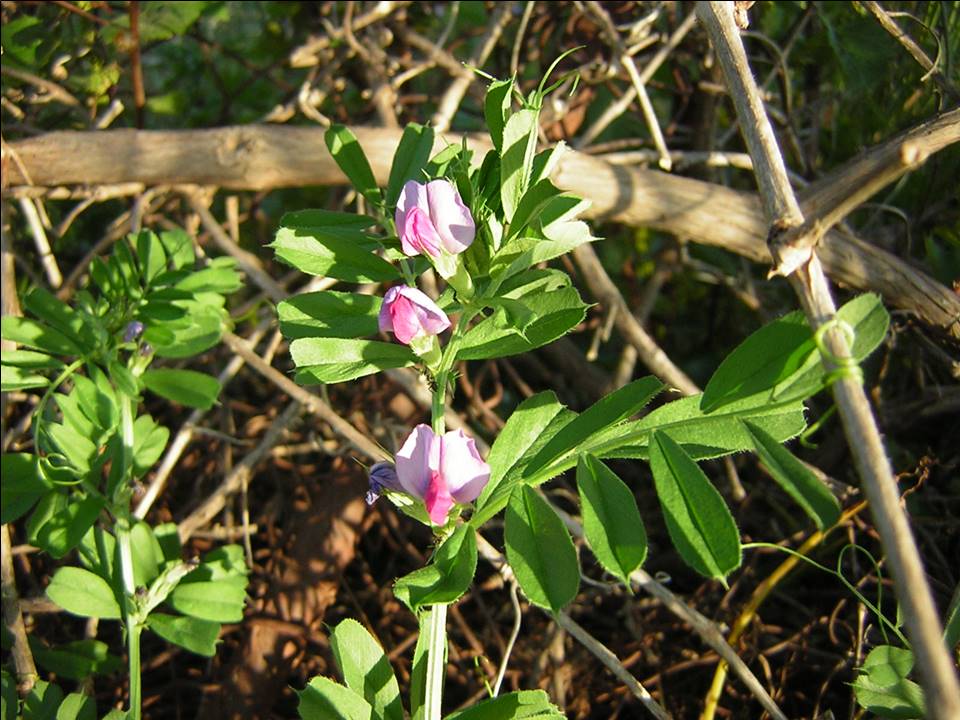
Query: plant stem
point(436, 657)
point(131, 616)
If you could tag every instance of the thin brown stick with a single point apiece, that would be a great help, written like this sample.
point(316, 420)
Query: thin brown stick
point(651, 354)
point(310, 401)
point(783, 211)
point(890, 25)
point(240, 473)
point(25, 668)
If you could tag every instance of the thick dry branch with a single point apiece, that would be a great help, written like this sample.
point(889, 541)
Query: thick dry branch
point(260, 157)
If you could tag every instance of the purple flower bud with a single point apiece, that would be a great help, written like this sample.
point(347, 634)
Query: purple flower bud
point(134, 330)
point(146, 349)
point(441, 470)
point(409, 314)
point(431, 216)
point(383, 476)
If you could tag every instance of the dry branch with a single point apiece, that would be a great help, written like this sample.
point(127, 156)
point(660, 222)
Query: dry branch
point(259, 157)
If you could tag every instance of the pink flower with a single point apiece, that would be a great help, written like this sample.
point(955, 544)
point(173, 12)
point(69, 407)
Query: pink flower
point(409, 314)
point(431, 216)
point(441, 470)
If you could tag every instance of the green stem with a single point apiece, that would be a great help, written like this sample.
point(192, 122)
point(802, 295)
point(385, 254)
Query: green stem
point(131, 614)
point(38, 414)
point(436, 661)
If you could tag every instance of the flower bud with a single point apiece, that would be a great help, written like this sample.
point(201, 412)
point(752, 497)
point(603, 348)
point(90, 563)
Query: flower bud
point(383, 476)
point(134, 330)
point(411, 315)
point(432, 219)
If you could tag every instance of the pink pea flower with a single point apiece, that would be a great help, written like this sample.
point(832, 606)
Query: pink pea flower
point(409, 314)
point(441, 470)
point(431, 216)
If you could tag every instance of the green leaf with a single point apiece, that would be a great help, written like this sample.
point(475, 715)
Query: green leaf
point(796, 479)
point(330, 360)
point(329, 314)
point(58, 315)
point(218, 601)
point(698, 520)
point(199, 330)
point(9, 702)
point(179, 247)
point(147, 554)
point(149, 440)
point(37, 335)
point(321, 251)
point(75, 660)
point(77, 706)
point(348, 154)
point(22, 485)
point(413, 154)
point(366, 669)
point(150, 255)
point(16, 378)
point(194, 634)
point(516, 158)
point(187, 387)
point(496, 107)
point(80, 592)
point(520, 705)
point(540, 551)
point(766, 358)
point(869, 320)
point(557, 312)
point(447, 577)
point(31, 359)
point(611, 520)
point(883, 688)
point(606, 412)
point(65, 529)
point(530, 206)
point(524, 427)
point(701, 435)
point(222, 276)
point(348, 225)
point(951, 621)
point(418, 669)
point(42, 701)
point(324, 699)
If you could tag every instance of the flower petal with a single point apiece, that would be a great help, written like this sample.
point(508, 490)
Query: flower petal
point(437, 499)
point(412, 195)
point(383, 476)
point(465, 472)
point(412, 461)
point(418, 235)
point(450, 216)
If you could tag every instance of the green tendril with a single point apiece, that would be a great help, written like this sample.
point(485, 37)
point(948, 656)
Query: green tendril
point(845, 366)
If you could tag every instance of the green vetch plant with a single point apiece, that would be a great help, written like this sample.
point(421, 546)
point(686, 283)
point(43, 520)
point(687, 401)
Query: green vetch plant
point(92, 361)
point(489, 228)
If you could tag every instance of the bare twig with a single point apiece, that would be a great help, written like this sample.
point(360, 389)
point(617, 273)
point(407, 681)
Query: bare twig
point(26, 670)
point(651, 354)
point(783, 211)
point(613, 664)
point(930, 68)
point(47, 259)
point(310, 401)
point(249, 262)
point(241, 472)
point(598, 649)
point(452, 98)
point(616, 109)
